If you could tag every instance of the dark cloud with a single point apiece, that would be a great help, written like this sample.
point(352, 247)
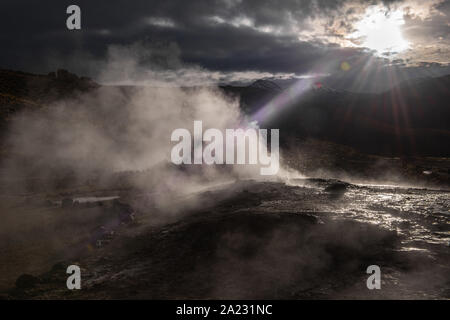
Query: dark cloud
point(218, 35)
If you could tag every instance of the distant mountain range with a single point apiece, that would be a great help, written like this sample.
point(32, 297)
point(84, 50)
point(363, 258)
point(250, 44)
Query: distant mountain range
point(412, 118)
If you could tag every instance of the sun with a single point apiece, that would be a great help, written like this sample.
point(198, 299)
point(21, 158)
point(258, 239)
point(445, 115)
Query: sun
point(380, 30)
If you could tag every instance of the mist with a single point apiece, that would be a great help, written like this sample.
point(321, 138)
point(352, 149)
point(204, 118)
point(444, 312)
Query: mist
point(113, 129)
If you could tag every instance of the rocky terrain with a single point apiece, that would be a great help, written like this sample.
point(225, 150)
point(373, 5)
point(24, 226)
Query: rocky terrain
point(302, 239)
point(348, 198)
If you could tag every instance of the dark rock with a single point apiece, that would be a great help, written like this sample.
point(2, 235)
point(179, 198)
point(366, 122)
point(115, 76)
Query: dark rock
point(56, 273)
point(66, 203)
point(26, 281)
point(65, 75)
point(101, 236)
point(124, 211)
point(338, 187)
point(58, 267)
point(48, 203)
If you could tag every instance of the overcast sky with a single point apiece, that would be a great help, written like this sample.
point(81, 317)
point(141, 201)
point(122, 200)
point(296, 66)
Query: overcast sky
point(199, 41)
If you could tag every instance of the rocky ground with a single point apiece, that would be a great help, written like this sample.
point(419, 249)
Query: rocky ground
point(304, 239)
point(286, 239)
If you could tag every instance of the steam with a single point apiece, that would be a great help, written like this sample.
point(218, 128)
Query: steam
point(125, 129)
point(154, 64)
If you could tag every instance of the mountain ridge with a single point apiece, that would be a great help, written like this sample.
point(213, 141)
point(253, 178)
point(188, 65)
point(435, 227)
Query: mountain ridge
point(410, 119)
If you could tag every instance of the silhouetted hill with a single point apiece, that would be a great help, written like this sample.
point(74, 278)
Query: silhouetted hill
point(410, 119)
point(258, 93)
point(19, 90)
point(266, 85)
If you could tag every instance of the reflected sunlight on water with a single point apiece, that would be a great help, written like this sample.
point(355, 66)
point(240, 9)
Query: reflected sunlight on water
point(418, 214)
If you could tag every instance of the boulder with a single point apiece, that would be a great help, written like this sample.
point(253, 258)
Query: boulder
point(124, 211)
point(337, 188)
point(66, 203)
point(26, 281)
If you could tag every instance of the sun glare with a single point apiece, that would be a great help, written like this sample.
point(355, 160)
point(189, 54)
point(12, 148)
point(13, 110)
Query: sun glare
point(380, 30)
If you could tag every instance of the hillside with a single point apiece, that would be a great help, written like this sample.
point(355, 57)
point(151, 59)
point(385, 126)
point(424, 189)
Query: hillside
point(411, 119)
point(404, 130)
point(20, 90)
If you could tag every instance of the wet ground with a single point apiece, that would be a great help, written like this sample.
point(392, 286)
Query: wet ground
point(300, 239)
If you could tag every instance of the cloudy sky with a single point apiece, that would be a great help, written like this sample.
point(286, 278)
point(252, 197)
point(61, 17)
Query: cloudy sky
point(230, 41)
